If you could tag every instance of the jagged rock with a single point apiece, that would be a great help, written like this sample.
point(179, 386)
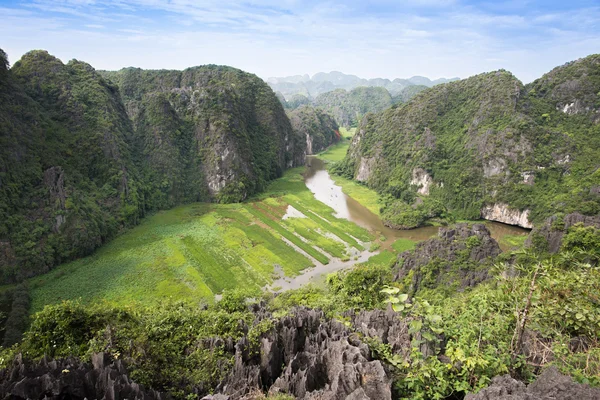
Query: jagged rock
point(550, 385)
point(309, 357)
point(450, 244)
point(72, 379)
point(552, 231)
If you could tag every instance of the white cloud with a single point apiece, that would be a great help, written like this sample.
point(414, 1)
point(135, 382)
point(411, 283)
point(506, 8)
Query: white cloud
point(275, 38)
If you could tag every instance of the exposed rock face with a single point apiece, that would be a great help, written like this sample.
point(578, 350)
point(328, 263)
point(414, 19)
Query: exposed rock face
point(54, 180)
point(553, 234)
point(550, 385)
point(422, 179)
point(310, 357)
point(87, 153)
point(501, 212)
point(71, 379)
point(450, 245)
point(365, 168)
point(493, 167)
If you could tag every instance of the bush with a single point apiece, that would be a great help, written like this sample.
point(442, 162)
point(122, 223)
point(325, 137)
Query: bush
point(18, 318)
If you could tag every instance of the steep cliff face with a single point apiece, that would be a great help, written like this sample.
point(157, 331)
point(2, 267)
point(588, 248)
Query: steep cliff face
point(489, 146)
point(85, 154)
point(318, 127)
point(228, 125)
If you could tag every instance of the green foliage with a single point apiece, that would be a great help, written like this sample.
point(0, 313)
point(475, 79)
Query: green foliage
point(18, 317)
point(150, 340)
point(348, 107)
point(582, 238)
point(296, 101)
point(235, 300)
point(308, 121)
point(194, 252)
point(360, 287)
point(408, 93)
point(465, 135)
point(103, 149)
point(403, 216)
point(402, 245)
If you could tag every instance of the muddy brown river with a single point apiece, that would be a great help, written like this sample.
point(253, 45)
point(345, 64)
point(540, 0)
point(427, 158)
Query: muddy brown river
point(317, 179)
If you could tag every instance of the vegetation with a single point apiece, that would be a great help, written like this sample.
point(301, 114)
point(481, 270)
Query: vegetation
point(361, 193)
point(318, 127)
point(459, 340)
point(408, 93)
point(488, 139)
point(305, 87)
point(194, 252)
point(349, 107)
point(84, 155)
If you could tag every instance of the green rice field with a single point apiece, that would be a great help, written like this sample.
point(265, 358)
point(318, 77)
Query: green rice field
point(196, 251)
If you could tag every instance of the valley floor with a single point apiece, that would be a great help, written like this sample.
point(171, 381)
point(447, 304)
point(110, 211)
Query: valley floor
point(196, 251)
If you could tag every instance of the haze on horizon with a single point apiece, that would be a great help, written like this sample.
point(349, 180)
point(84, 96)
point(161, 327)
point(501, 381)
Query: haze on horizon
point(432, 38)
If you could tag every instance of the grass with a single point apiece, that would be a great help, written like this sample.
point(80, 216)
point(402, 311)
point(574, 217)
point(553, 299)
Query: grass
point(513, 241)
point(289, 235)
point(335, 152)
point(402, 245)
point(195, 251)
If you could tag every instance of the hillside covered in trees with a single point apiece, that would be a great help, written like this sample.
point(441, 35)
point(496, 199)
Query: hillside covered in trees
point(487, 146)
point(348, 107)
point(84, 154)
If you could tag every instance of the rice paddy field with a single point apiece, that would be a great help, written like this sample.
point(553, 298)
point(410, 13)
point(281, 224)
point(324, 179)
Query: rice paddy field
point(196, 251)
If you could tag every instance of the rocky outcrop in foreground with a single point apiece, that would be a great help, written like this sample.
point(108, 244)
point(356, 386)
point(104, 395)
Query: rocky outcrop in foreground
point(553, 230)
point(550, 385)
point(309, 357)
point(467, 244)
point(71, 378)
point(304, 354)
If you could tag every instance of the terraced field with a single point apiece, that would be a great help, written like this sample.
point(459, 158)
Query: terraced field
point(196, 251)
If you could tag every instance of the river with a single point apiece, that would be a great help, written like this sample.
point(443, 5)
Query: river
point(318, 181)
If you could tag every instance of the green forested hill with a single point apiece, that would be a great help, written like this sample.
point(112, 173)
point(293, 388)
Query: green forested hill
point(211, 116)
point(68, 179)
point(487, 146)
point(85, 154)
point(318, 127)
point(348, 107)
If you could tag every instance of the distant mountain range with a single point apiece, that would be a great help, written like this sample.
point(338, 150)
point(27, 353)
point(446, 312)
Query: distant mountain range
point(323, 82)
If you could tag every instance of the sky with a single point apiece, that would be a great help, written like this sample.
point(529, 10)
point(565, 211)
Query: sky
point(382, 38)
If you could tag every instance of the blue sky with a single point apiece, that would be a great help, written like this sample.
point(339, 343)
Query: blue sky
point(383, 38)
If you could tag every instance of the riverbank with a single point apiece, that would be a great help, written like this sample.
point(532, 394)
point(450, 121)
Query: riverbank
point(335, 153)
